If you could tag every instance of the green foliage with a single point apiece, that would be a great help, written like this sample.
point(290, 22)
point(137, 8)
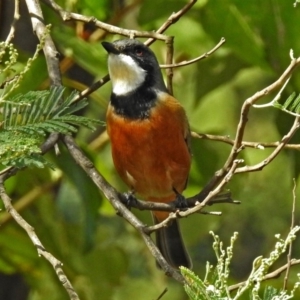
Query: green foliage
point(291, 105)
point(11, 75)
point(28, 118)
point(83, 231)
point(215, 285)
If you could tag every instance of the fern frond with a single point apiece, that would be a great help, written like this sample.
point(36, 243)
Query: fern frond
point(28, 118)
point(290, 106)
point(289, 100)
point(36, 109)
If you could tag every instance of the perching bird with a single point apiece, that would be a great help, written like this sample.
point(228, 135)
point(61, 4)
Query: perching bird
point(149, 134)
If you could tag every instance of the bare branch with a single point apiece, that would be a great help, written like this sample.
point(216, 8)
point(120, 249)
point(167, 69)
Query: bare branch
point(169, 60)
point(67, 16)
point(49, 49)
point(256, 145)
point(238, 141)
point(56, 264)
point(246, 107)
point(11, 33)
point(162, 294)
point(192, 61)
point(289, 255)
point(26, 200)
point(172, 20)
point(276, 151)
point(276, 98)
point(95, 86)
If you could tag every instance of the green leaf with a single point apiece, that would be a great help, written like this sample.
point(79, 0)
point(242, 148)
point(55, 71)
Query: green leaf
point(292, 104)
point(28, 118)
point(289, 100)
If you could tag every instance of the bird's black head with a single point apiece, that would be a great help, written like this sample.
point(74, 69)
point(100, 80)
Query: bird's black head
point(132, 64)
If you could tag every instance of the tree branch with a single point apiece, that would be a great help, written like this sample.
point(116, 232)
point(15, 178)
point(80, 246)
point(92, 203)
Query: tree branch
point(11, 33)
point(256, 145)
point(56, 264)
point(289, 255)
point(277, 150)
point(172, 20)
point(238, 141)
point(169, 60)
point(67, 16)
point(192, 61)
point(49, 48)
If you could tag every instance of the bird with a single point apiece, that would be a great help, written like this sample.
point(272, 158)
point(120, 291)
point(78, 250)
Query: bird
point(150, 137)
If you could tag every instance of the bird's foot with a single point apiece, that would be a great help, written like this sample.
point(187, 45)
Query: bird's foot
point(180, 201)
point(129, 199)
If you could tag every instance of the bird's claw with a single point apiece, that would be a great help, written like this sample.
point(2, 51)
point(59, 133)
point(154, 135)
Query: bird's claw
point(128, 199)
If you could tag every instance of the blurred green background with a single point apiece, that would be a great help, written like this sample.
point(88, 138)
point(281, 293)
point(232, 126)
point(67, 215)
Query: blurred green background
point(103, 256)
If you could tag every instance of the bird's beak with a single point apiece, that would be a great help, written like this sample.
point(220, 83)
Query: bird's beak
point(110, 48)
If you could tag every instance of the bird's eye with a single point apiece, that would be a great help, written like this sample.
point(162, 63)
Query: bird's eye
point(139, 52)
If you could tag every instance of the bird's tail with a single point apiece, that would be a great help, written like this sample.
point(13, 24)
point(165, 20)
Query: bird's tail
point(170, 243)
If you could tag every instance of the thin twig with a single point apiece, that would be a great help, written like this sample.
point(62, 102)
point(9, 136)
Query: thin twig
point(276, 98)
point(172, 20)
point(162, 294)
point(277, 150)
point(238, 141)
point(256, 145)
point(169, 60)
point(56, 264)
point(194, 60)
point(11, 33)
point(26, 200)
point(68, 16)
point(289, 255)
point(249, 102)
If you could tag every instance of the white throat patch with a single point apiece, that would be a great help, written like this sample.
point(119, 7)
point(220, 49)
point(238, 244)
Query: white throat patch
point(125, 74)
